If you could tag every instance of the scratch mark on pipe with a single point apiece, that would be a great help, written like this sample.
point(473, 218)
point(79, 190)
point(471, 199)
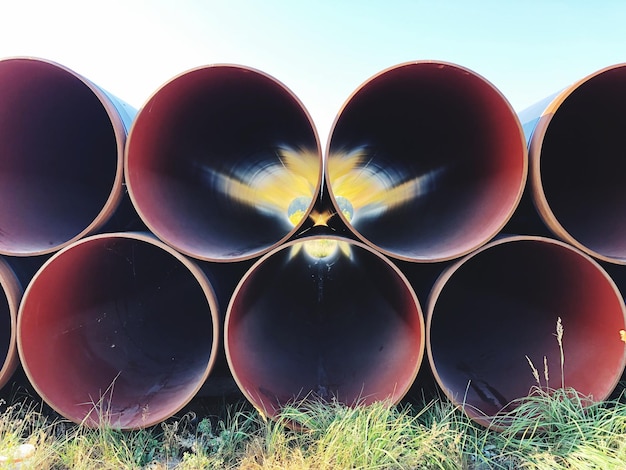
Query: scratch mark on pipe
point(485, 391)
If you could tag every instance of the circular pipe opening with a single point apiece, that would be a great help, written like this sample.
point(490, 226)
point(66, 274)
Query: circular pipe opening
point(62, 157)
point(502, 303)
point(9, 305)
point(323, 318)
point(223, 163)
point(426, 161)
point(577, 162)
point(118, 329)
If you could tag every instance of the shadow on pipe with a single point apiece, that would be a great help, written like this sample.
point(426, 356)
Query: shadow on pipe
point(426, 161)
point(221, 385)
point(62, 156)
point(499, 305)
point(118, 329)
point(576, 153)
point(223, 163)
point(323, 318)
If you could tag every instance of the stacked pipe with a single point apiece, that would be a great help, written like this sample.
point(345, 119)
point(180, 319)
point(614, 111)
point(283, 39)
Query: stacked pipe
point(425, 166)
point(437, 168)
point(95, 330)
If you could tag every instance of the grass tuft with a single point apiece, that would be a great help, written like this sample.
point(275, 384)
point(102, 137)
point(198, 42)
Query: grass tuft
point(550, 429)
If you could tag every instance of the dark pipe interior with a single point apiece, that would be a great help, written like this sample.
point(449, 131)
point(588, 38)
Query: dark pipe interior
point(6, 335)
point(9, 303)
point(453, 130)
point(347, 327)
point(59, 156)
point(208, 126)
point(502, 304)
point(5, 326)
point(116, 325)
point(582, 164)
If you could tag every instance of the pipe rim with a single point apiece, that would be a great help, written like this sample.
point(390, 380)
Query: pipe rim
point(192, 267)
point(535, 146)
point(117, 185)
point(524, 161)
point(153, 226)
point(471, 411)
point(257, 404)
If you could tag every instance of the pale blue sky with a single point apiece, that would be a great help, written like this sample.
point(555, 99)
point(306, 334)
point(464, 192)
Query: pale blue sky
point(321, 50)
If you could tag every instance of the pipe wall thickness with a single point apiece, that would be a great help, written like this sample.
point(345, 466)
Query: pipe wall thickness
point(323, 318)
point(500, 304)
point(61, 160)
point(576, 154)
point(223, 163)
point(118, 329)
point(426, 161)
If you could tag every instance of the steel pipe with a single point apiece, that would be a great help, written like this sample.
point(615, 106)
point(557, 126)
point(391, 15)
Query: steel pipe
point(61, 156)
point(576, 163)
point(323, 318)
point(118, 330)
point(223, 163)
point(426, 161)
point(490, 311)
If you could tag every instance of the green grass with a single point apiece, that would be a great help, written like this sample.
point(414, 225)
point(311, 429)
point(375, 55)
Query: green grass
point(550, 429)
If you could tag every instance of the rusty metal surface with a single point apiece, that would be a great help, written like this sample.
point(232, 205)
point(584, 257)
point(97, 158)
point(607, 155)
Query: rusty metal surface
point(317, 262)
point(316, 320)
point(432, 158)
point(215, 158)
point(118, 329)
point(501, 303)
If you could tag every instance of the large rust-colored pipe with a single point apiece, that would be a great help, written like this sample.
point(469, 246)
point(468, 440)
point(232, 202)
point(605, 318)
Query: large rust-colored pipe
point(61, 156)
point(426, 161)
point(118, 329)
point(9, 305)
point(323, 318)
point(223, 163)
point(501, 303)
point(576, 152)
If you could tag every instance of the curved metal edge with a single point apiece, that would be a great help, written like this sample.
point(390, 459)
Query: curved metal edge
point(287, 245)
point(445, 276)
point(441, 64)
point(537, 128)
point(197, 272)
point(120, 115)
point(145, 109)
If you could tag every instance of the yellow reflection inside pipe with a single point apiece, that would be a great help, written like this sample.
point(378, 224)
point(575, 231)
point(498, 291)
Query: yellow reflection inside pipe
point(284, 188)
point(363, 189)
point(325, 249)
